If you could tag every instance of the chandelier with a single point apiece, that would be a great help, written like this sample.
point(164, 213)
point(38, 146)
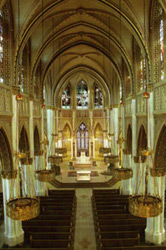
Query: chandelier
point(23, 207)
point(45, 175)
point(111, 159)
point(121, 173)
point(146, 205)
point(9, 174)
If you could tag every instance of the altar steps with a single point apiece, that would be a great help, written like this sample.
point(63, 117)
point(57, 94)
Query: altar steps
point(59, 184)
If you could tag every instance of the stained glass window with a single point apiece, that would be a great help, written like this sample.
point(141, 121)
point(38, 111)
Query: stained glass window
point(82, 137)
point(1, 48)
point(66, 97)
point(82, 95)
point(98, 96)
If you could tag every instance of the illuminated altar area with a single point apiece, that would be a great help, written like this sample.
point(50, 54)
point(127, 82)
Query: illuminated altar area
point(82, 161)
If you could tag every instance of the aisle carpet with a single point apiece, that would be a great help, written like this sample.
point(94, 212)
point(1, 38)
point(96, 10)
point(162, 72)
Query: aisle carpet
point(74, 174)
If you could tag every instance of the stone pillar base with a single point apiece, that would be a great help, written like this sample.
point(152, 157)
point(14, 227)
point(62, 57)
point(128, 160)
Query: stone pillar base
point(41, 193)
point(14, 240)
point(156, 238)
point(126, 192)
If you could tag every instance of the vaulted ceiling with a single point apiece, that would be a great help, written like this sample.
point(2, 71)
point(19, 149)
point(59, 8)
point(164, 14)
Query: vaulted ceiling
point(66, 36)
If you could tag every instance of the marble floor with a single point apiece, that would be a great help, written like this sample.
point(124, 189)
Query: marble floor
point(65, 168)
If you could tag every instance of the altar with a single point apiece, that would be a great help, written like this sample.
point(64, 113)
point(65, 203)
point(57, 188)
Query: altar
point(83, 161)
point(84, 176)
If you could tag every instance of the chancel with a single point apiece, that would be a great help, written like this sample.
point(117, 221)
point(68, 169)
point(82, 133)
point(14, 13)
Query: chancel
point(82, 124)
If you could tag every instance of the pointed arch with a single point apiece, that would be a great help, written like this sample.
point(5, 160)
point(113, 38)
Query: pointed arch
point(36, 140)
point(160, 153)
point(66, 142)
point(82, 139)
point(142, 140)
point(5, 152)
point(23, 141)
point(129, 139)
point(99, 139)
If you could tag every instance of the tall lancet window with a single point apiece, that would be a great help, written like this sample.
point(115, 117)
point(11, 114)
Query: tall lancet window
point(161, 44)
point(1, 48)
point(66, 97)
point(82, 95)
point(98, 97)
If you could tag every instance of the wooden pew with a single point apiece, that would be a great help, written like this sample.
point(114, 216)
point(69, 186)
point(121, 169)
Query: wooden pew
point(121, 222)
point(56, 229)
point(119, 242)
point(118, 234)
point(106, 191)
point(51, 243)
point(50, 235)
point(47, 223)
point(141, 247)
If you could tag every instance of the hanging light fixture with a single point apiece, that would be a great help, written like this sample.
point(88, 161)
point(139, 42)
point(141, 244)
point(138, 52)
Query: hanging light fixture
point(121, 173)
point(9, 174)
point(23, 207)
point(145, 205)
point(45, 175)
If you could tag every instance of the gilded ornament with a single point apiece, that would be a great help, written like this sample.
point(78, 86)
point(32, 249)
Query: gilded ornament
point(45, 175)
point(24, 208)
point(122, 173)
point(9, 174)
point(145, 206)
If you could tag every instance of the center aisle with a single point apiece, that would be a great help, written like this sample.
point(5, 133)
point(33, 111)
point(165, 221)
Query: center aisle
point(84, 227)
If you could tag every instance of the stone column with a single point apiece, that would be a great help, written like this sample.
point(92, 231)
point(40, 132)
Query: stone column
point(126, 184)
point(74, 151)
point(92, 150)
point(56, 127)
point(155, 231)
point(51, 130)
point(105, 130)
point(13, 229)
point(40, 187)
point(14, 233)
point(115, 130)
point(134, 146)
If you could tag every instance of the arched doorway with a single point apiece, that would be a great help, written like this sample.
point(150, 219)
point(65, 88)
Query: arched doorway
point(67, 139)
point(99, 140)
point(160, 154)
point(82, 140)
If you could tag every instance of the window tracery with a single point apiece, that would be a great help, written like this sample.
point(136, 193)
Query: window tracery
point(82, 137)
